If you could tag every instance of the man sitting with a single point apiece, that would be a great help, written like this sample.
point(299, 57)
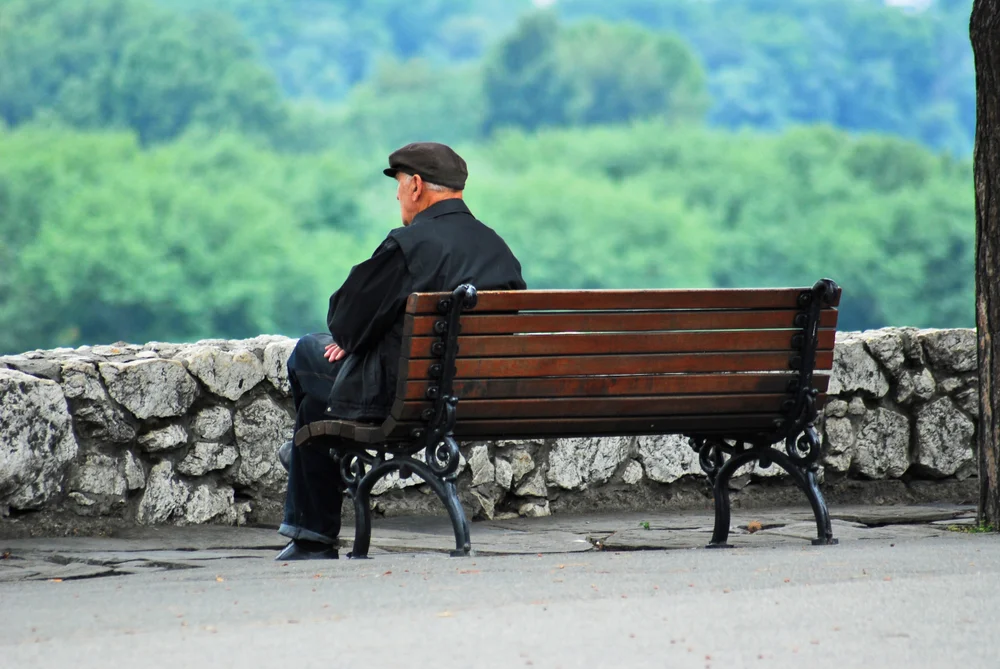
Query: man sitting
point(350, 374)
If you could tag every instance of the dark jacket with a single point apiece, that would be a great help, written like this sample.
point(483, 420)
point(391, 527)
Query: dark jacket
point(444, 247)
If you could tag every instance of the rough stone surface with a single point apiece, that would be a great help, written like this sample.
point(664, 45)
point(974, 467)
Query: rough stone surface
point(276, 361)
point(839, 444)
point(504, 473)
point(887, 347)
point(260, 427)
point(919, 385)
point(135, 476)
point(150, 388)
point(205, 457)
point(533, 486)
point(951, 350)
point(882, 446)
point(95, 414)
point(854, 369)
point(164, 439)
point(36, 440)
point(944, 439)
point(668, 458)
point(521, 464)
point(577, 463)
point(632, 473)
point(535, 509)
point(164, 497)
point(207, 503)
point(836, 408)
point(98, 474)
point(228, 374)
point(483, 470)
point(212, 423)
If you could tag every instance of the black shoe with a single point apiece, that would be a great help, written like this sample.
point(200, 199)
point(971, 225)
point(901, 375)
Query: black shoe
point(296, 551)
point(285, 454)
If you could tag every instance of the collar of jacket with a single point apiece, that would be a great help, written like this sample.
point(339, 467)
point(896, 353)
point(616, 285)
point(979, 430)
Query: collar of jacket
point(454, 205)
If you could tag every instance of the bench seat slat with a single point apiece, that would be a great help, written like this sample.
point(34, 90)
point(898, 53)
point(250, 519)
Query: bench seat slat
point(618, 365)
point(589, 427)
point(620, 321)
point(597, 407)
point(618, 344)
point(737, 298)
point(611, 386)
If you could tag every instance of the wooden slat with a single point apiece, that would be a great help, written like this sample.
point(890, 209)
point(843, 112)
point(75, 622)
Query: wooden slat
point(750, 298)
point(621, 321)
point(483, 368)
point(613, 386)
point(618, 344)
point(595, 407)
point(589, 427)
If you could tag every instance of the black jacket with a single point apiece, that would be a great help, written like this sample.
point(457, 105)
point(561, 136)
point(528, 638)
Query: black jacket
point(444, 247)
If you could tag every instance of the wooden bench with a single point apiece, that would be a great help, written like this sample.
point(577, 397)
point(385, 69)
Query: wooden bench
point(742, 372)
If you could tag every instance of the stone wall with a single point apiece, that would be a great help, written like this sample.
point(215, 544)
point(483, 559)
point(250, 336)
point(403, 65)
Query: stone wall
point(168, 433)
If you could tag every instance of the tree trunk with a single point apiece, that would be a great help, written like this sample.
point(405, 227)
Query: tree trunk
point(984, 30)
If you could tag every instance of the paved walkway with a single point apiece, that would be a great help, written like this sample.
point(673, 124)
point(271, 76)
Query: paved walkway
point(901, 590)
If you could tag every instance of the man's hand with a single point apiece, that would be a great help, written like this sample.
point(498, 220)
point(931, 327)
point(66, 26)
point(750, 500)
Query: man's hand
point(334, 353)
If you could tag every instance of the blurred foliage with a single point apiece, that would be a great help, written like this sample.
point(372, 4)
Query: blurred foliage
point(156, 184)
point(129, 64)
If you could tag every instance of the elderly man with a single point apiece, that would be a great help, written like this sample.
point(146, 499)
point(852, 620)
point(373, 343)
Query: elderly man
point(351, 373)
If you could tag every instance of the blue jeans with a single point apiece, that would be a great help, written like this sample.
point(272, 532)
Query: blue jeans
point(315, 489)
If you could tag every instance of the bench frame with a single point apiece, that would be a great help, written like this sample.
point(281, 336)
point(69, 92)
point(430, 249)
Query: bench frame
point(432, 452)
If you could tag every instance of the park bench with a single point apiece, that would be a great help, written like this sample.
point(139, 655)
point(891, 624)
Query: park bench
point(741, 372)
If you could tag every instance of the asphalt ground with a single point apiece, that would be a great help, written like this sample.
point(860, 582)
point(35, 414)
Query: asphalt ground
point(889, 595)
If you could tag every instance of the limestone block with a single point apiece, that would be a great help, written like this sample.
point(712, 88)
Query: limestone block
point(260, 428)
point(950, 350)
point(483, 470)
point(212, 423)
point(96, 416)
point(944, 439)
point(98, 474)
point(667, 458)
point(36, 440)
point(632, 473)
point(521, 464)
point(886, 346)
point(504, 473)
point(855, 370)
point(391, 481)
point(533, 485)
point(856, 407)
point(276, 363)
point(836, 408)
point(968, 401)
point(135, 476)
point(205, 457)
point(577, 463)
point(227, 374)
point(838, 444)
point(164, 439)
point(150, 388)
point(164, 497)
point(535, 509)
point(915, 384)
point(209, 503)
point(882, 445)
point(486, 503)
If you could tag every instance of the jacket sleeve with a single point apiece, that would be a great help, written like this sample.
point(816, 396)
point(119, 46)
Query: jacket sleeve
point(371, 299)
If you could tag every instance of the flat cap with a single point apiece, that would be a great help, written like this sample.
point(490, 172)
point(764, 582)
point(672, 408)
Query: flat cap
point(435, 163)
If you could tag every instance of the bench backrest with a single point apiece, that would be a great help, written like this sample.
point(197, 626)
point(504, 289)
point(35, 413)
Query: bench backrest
point(610, 362)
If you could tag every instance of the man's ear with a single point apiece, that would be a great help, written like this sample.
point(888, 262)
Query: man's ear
point(416, 187)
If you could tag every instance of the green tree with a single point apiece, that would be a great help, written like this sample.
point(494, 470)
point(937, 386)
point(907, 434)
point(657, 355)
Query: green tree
point(545, 75)
point(129, 64)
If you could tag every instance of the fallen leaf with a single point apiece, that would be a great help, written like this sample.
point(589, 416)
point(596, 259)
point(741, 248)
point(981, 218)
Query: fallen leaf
point(754, 526)
point(788, 580)
point(6, 554)
point(219, 579)
point(468, 571)
point(387, 573)
point(887, 578)
point(55, 580)
point(446, 614)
